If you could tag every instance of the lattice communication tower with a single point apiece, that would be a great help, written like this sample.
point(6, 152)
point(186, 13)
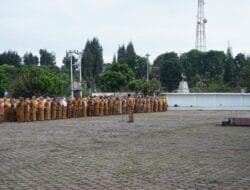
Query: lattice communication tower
point(200, 43)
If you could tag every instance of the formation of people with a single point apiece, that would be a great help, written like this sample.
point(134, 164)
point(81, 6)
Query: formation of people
point(41, 108)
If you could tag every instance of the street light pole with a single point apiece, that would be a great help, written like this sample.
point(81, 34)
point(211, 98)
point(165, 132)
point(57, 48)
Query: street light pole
point(71, 74)
point(80, 70)
point(147, 55)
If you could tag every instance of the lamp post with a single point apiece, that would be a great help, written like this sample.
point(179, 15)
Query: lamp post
point(147, 55)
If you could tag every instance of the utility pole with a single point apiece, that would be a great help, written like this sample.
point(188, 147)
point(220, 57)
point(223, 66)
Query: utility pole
point(147, 55)
point(200, 43)
point(79, 87)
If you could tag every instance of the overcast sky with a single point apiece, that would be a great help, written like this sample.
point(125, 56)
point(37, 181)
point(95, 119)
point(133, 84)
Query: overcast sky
point(154, 26)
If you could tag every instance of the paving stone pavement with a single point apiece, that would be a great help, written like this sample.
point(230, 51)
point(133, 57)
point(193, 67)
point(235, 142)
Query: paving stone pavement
point(171, 150)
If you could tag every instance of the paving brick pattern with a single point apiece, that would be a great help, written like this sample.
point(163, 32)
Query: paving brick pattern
point(170, 150)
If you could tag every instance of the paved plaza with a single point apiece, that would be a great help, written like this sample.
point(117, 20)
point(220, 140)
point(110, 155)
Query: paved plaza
point(166, 150)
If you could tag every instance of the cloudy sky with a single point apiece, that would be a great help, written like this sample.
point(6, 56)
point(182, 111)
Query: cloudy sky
point(154, 26)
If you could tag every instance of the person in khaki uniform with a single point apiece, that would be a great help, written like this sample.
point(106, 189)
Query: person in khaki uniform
point(13, 109)
point(120, 106)
point(106, 107)
point(115, 106)
point(91, 107)
point(40, 109)
point(111, 105)
point(69, 107)
point(85, 107)
point(130, 106)
point(160, 105)
point(96, 106)
point(47, 109)
point(7, 109)
point(101, 107)
point(155, 105)
point(27, 110)
point(148, 104)
point(124, 106)
point(64, 108)
point(58, 110)
point(74, 108)
point(1, 110)
point(137, 105)
point(80, 107)
point(165, 106)
point(53, 109)
point(33, 108)
point(20, 110)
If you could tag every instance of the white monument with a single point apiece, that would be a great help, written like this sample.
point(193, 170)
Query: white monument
point(183, 86)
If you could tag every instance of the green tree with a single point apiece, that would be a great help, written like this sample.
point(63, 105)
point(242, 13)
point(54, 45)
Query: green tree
point(137, 85)
point(30, 59)
point(67, 61)
point(245, 77)
point(38, 81)
point(131, 56)
point(7, 76)
point(4, 82)
point(213, 66)
point(112, 81)
point(170, 70)
point(151, 87)
point(92, 61)
point(229, 72)
point(10, 58)
point(121, 54)
point(140, 67)
point(47, 58)
point(116, 77)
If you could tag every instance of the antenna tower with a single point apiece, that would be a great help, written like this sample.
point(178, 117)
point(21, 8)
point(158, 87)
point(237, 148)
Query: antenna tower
point(200, 43)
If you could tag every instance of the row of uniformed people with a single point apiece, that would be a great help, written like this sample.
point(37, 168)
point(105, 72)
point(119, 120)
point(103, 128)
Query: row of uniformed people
point(39, 109)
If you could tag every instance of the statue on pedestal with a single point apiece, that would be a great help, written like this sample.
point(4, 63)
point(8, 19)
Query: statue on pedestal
point(183, 86)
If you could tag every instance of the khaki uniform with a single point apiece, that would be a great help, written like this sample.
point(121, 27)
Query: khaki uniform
point(7, 109)
point(40, 109)
point(80, 113)
point(115, 108)
point(20, 111)
point(148, 105)
point(64, 108)
point(33, 109)
point(101, 108)
point(53, 109)
point(27, 110)
point(47, 110)
point(96, 106)
point(124, 106)
point(13, 110)
point(1, 111)
point(155, 105)
point(75, 108)
point(106, 107)
point(111, 105)
point(85, 107)
point(58, 111)
point(130, 109)
point(120, 106)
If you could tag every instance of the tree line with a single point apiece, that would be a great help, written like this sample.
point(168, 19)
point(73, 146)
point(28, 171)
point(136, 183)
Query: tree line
point(212, 71)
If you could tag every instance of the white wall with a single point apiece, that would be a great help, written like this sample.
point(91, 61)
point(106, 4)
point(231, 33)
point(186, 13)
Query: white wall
point(209, 100)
